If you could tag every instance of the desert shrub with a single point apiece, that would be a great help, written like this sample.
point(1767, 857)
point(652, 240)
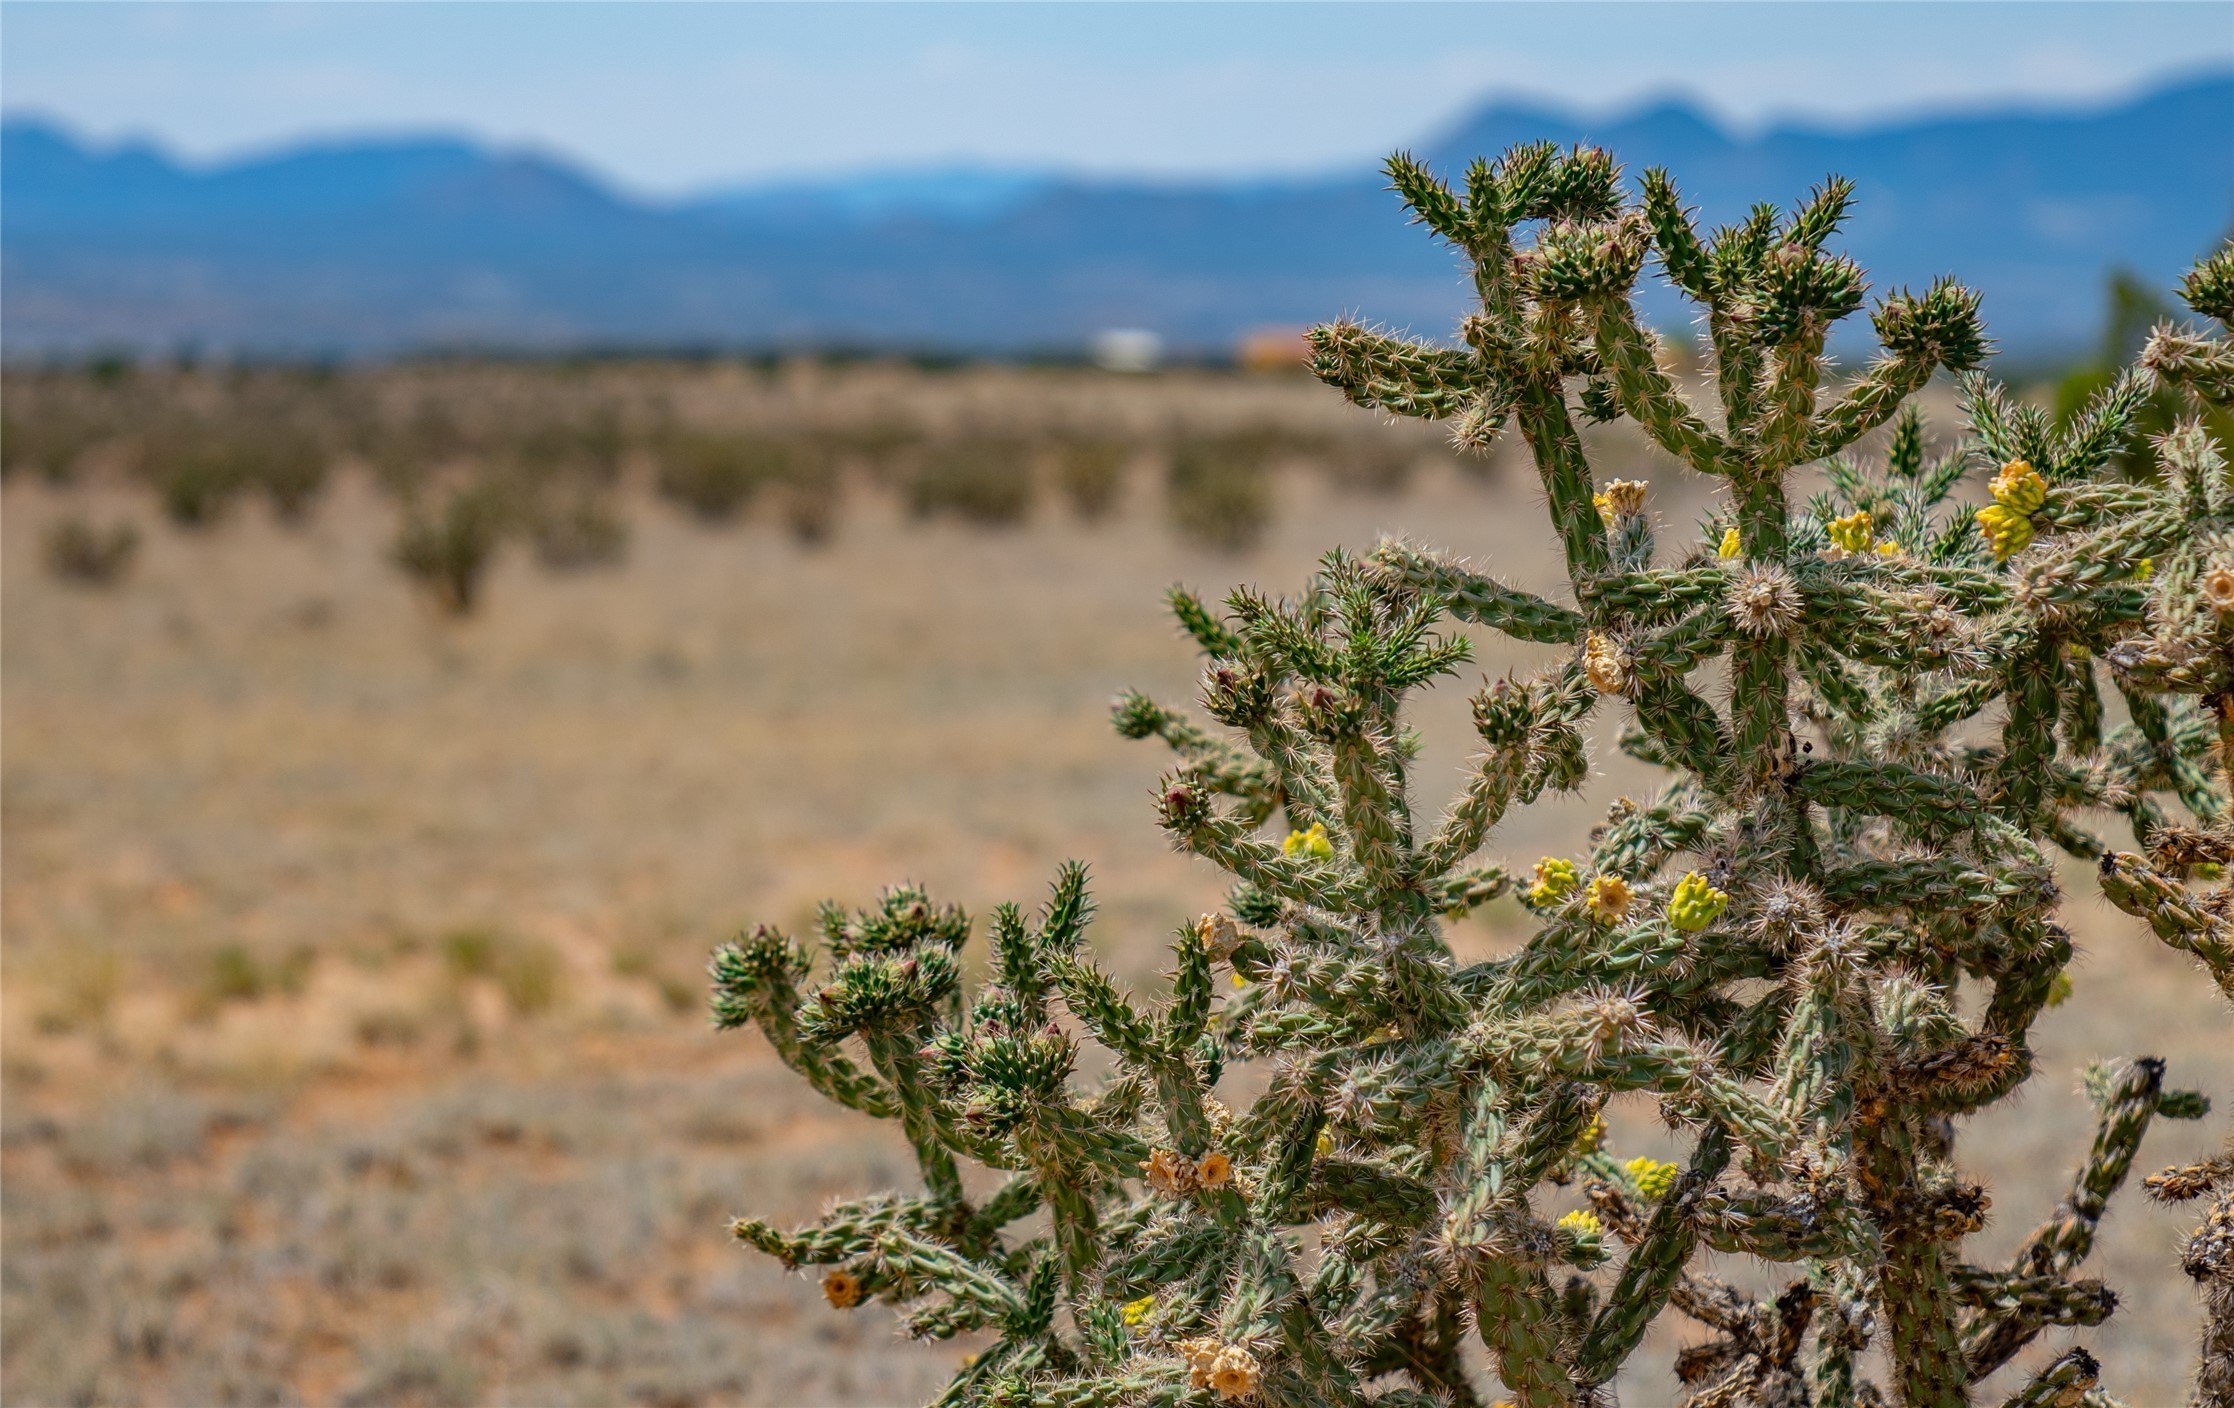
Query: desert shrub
point(236, 973)
point(716, 476)
point(198, 477)
point(77, 988)
point(983, 481)
point(887, 452)
point(809, 499)
point(529, 972)
point(47, 443)
point(77, 551)
point(447, 549)
point(290, 467)
point(1818, 948)
point(1380, 467)
point(1218, 491)
point(1092, 475)
point(577, 529)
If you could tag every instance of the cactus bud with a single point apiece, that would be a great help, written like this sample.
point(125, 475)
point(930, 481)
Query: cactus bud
point(1555, 879)
point(1852, 533)
point(1731, 545)
point(1695, 903)
point(2008, 531)
point(1313, 844)
point(1652, 1176)
point(2019, 487)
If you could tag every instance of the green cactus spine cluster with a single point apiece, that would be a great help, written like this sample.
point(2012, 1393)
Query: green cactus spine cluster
point(1881, 715)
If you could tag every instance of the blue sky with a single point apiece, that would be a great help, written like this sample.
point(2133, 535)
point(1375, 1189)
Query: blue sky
point(670, 97)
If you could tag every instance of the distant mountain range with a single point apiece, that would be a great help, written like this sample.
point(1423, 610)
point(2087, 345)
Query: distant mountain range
point(384, 246)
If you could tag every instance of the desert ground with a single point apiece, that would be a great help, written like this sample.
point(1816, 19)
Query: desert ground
point(352, 1040)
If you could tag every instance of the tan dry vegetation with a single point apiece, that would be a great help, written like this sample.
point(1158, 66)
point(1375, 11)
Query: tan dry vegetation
point(350, 1039)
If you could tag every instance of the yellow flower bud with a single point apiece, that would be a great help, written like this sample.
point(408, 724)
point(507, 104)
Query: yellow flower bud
point(1652, 1177)
point(1314, 844)
point(1555, 880)
point(1136, 1311)
point(2019, 487)
point(2009, 531)
point(1851, 533)
point(1731, 546)
point(1695, 903)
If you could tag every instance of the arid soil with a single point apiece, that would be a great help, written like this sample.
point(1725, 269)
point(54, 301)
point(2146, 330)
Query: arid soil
point(353, 1044)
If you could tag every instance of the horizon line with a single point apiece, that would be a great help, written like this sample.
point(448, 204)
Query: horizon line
point(1647, 100)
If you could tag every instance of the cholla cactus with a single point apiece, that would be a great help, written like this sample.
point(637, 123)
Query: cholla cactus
point(1779, 948)
point(2176, 669)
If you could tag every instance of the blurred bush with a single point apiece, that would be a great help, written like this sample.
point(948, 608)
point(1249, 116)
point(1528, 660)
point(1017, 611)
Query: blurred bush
point(529, 972)
point(77, 551)
point(1092, 475)
point(984, 481)
point(447, 550)
point(1380, 467)
point(573, 529)
point(715, 476)
point(1218, 490)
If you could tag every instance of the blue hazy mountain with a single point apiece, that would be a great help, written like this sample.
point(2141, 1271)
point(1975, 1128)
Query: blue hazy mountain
point(372, 246)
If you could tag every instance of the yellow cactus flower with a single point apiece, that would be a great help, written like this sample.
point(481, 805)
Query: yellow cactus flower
point(1325, 1143)
point(1695, 903)
point(1555, 880)
point(1851, 533)
point(1731, 546)
point(1239, 981)
point(2019, 487)
point(2009, 531)
point(1889, 548)
point(1609, 898)
point(1314, 844)
point(2144, 569)
point(1215, 1171)
point(1584, 1224)
point(1137, 1311)
point(1653, 1177)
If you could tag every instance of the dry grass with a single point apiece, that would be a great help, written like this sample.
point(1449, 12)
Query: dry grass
point(344, 946)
